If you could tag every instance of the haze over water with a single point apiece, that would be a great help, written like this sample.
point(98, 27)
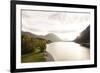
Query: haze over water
point(64, 51)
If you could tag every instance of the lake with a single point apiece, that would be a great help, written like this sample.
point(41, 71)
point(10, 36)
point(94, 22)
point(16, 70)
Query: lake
point(63, 51)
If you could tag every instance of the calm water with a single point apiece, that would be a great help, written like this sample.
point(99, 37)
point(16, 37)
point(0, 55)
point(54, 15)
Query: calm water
point(62, 51)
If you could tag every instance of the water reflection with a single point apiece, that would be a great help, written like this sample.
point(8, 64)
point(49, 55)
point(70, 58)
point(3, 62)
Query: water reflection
point(62, 51)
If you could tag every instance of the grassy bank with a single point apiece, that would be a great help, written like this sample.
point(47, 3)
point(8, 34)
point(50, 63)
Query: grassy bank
point(32, 49)
point(33, 57)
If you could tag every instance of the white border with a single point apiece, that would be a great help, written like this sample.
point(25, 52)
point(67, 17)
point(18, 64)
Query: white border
point(20, 65)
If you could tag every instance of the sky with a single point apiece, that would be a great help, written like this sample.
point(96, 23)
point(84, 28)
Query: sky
point(66, 25)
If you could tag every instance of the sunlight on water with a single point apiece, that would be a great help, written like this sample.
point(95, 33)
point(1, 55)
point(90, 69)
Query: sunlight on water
point(63, 51)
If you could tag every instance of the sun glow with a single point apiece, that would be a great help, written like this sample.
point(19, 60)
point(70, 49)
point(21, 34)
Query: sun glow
point(68, 36)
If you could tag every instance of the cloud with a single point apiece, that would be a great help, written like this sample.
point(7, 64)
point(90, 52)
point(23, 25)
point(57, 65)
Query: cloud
point(59, 22)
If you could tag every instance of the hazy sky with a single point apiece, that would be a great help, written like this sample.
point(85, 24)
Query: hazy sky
point(66, 25)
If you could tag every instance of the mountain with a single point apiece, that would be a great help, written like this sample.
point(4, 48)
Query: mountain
point(50, 36)
point(84, 37)
point(28, 33)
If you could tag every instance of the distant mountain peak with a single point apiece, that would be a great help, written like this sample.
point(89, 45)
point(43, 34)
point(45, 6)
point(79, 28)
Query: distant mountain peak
point(50, 36)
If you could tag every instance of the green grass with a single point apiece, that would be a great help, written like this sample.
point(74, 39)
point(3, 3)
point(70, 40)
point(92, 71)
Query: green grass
point(33, 57)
